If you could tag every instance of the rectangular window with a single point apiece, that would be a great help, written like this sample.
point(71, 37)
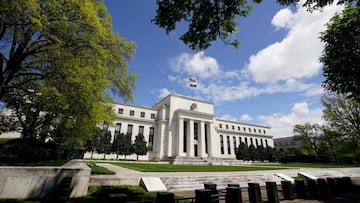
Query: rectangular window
point(142, 114)
point(130, 129)
point(117, 128)
point(244, 129)
point(251, 141)
point(120, 111)
point(240, 140)
point(206, 138)
point(227, 126)
point(256, 142)
point(220, 125)
point(228, 144)
point(196, 131)
point(250, 130)
point(185, 137)
point(264, 132)
point(261, 142)
point(132, 113)
point(246, 141)
point(234, 140)
point(152, 116)
point(238, 128)
point(141, 130)
point(254, 130)
point(233, 127)
point(222, 144)
point(151, 138)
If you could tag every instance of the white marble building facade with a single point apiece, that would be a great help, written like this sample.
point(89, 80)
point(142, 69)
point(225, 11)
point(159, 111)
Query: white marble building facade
point(181, 126)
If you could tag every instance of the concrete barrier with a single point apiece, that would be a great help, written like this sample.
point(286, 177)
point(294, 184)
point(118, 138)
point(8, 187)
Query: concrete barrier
point(41, 182)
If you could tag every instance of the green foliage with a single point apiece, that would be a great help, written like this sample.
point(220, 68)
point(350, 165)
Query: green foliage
point(139, 146)
point(27, 151)
point(310, 135)
point(314, 4)
point(341, 55)
point(208, 20)
point(122, 144)
point(58, 59)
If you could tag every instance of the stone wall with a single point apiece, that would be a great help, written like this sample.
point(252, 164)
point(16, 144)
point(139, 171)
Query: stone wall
point(40, 182)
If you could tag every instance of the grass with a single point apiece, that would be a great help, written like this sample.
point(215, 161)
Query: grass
point(304, 165)
point(147, 167)
point(98, 170)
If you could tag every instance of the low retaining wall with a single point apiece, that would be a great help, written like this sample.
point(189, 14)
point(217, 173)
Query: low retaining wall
point(39, 182)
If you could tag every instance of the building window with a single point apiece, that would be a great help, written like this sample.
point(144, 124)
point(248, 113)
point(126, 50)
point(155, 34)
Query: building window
point(234, 140)
point(130, 129)
point(256, 142)
point(152, 116)
point(105, 126)
point(240, 141)
point(251, 141)
point(132, 112)
point(120, 111)
point(266, 143)
point(220, 125)
point(185, 137)
point(264, 132)
point(238, 128)
point(142, 114)
point(228, 144)
point(117, 128)
point(196, 131)
point(233, 127)
point(206, 137)
point(141, 130)
point(246, 141)
point(244, 129)
point(250, 130)
point(227, 126)
point(261, 142)
point(151, 138)
point(254, 130)
point(222, 144)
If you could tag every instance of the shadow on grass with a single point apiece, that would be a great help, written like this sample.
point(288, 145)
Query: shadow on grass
point(101, 194)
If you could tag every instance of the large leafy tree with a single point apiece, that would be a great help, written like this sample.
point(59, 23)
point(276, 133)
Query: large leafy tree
point(341, 56)
point(59, 58)
point(310, 135)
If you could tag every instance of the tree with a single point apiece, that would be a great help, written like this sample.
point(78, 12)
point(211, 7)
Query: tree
point(310, 135)
point(104, 142)
point(341, 55)
point(342, 115)
point(242, 152)
point(60, 58)
point(139, 146)
point(122, 144)
point(214, 19)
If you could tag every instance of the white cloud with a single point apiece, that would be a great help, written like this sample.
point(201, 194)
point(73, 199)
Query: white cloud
point(297, 55)
point(283, 125)
point(163, 93)
point(197, 65)
point(246, 117)
point(228, 117)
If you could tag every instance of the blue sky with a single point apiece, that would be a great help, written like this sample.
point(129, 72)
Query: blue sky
point(273, 78)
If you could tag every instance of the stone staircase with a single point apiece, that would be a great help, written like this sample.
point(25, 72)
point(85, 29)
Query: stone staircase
point(192, 182)
point(189, 161)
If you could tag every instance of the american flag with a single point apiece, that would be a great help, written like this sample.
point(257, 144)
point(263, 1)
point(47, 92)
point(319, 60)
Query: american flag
point(193, 82)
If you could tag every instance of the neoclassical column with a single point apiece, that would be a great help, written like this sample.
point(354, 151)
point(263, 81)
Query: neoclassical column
point(201, 143)
point(190, 146)
point(180, 135)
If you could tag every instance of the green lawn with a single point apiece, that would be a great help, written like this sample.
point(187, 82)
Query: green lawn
point(148, 167)
point(98, 170)
point(304, 165)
